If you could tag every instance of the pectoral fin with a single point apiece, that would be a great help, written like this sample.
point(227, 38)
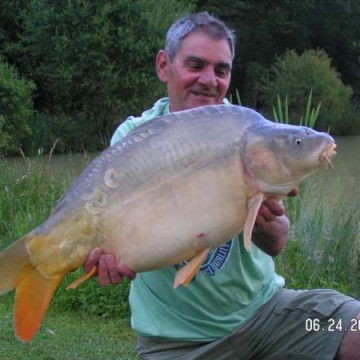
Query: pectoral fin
point(186, 274)
point(82, 278)
point(253, 206)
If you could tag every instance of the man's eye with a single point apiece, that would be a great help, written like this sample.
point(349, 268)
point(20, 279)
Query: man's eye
point(222, 72)
point(195, 66)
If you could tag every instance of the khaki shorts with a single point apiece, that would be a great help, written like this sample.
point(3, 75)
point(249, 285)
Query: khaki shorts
point(294, 324)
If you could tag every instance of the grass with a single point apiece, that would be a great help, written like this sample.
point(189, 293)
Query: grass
point(323, 250)
point(68, 335)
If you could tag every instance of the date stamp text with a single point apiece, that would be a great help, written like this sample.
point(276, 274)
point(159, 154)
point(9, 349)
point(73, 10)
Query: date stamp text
point(331, 325)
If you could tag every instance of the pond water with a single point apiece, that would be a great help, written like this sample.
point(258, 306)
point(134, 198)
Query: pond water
point(344, 178)
point(59, 166)
point(347, 161)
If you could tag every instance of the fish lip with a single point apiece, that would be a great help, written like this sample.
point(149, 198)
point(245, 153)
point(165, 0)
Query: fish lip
point(330, 151)
point(328, 154)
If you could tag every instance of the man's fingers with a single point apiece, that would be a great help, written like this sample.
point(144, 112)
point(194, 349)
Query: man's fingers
point(293, 192)
point(107, 272)
point(125, 271)
point(93, 259)
point(260, 221)
point(271, 208)
point(115, 276)
point(103, 275)
point(266, 214)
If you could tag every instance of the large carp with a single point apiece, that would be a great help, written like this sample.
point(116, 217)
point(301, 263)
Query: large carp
point(170, 191)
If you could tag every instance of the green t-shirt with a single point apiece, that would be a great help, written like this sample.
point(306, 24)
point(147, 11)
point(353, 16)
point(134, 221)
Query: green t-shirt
point(230, 286)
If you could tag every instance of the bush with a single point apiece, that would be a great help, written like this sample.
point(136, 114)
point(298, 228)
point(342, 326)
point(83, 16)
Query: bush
point(349, 122)
point(16, 107)
point(296, 75)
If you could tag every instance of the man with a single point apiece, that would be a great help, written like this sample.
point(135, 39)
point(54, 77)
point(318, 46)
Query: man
point(236, 308)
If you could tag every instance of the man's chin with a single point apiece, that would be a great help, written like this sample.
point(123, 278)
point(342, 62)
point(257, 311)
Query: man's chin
point(202, 101)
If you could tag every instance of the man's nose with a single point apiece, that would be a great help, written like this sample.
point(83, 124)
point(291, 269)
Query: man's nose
point(208, 77)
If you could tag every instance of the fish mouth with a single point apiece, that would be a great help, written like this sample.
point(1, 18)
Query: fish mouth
point(328, 154)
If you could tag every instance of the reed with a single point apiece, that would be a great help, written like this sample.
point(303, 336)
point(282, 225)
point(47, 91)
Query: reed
point(281, 112)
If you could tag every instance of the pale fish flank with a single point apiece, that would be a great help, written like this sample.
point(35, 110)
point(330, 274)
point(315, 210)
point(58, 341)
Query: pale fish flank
point(172, 190)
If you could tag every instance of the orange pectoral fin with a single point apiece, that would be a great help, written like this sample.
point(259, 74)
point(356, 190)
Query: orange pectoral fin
point(33, 295)
point(186, 274)
point(82, 278)
point(253, 206)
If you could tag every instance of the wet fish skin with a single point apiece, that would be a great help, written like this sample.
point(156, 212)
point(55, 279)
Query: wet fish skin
point(138, 199)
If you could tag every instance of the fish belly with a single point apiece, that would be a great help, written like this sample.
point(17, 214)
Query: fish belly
point(171, 223)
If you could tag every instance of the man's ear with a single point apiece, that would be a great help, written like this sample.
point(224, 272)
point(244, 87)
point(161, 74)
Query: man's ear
point(162, 66)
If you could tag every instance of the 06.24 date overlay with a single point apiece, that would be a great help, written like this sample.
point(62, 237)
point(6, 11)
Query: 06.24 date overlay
point(331, 325)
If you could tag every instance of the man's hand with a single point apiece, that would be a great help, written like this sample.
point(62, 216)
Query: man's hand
point(272, 226)
point(109, 271)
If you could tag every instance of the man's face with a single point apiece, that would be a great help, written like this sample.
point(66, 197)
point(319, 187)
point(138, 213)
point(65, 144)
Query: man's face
point(199, 74)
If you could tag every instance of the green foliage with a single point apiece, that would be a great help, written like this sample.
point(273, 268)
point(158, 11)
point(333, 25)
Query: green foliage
point(27, 197)
point(324, 245)
point(15, 108)
point(349, 123)
point(42, 129)
point(93, 62)
point(254, 71)
point(10, 22)
point(295, 76)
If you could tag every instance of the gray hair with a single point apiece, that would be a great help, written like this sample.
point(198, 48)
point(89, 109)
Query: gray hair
point(203, 22)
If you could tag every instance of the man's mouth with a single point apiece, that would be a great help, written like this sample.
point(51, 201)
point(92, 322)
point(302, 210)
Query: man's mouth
point(203, 93)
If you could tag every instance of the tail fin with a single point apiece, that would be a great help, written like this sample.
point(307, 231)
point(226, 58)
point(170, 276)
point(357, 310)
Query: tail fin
point(12, 260)
point(33, 290)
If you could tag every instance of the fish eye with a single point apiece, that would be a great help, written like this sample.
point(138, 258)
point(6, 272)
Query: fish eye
point(298, 141)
